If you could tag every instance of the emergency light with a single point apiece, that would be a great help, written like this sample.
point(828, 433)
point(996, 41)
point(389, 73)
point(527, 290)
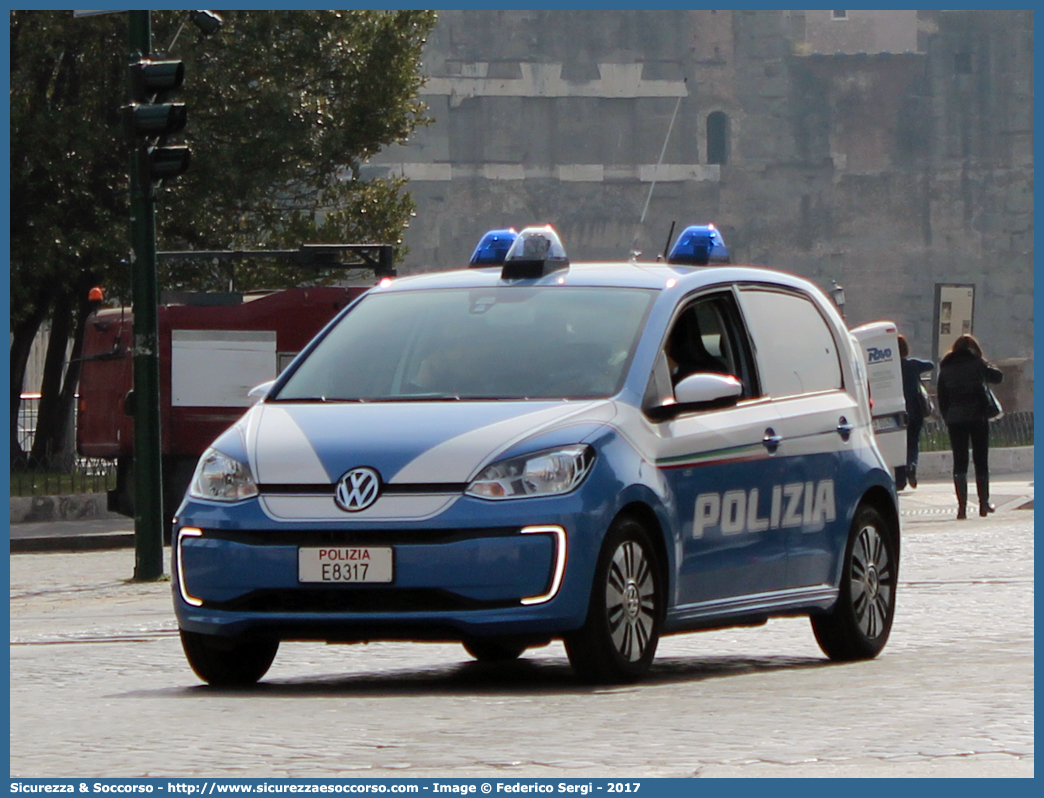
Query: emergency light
point(699, 245)
point(537, 251)
point(493, 247)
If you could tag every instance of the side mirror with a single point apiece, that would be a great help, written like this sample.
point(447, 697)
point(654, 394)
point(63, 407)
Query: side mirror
point(700, 391)
point(259, 392)
point(704, 387)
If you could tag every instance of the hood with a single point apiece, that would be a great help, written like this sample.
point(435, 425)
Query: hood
point(428, 445)
point(429, 442)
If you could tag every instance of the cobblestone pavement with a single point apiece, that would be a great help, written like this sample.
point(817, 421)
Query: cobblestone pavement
point(99, 686)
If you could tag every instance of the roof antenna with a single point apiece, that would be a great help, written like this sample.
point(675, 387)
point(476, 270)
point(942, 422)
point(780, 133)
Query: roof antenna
point(667, 246)
point(648, 199)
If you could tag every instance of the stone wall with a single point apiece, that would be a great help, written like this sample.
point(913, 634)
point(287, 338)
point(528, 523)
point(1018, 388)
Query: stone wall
point(887, 173)
point(867, 31)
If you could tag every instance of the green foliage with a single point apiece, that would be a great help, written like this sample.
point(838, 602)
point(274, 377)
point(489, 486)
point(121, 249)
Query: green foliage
point(68, 183)
point(283, 107)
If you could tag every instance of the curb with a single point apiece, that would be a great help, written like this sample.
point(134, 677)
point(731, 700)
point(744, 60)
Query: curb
point(1012, 460)
point(91, 542)
point(75, 507)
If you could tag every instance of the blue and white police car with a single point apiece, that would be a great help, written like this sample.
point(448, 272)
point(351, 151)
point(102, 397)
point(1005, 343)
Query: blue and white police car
point(602, 453)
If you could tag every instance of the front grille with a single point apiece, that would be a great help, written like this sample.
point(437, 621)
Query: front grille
point(354, 537)
point(329, 488)
point(354, 599)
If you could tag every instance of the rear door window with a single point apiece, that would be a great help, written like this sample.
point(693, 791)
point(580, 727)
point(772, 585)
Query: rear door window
point(795, 350)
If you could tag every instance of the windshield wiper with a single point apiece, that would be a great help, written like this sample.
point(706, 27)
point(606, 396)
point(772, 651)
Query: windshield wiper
point(419, 397)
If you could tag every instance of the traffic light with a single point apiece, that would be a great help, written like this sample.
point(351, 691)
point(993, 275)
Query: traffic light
point(150, 119)
point(207, 21)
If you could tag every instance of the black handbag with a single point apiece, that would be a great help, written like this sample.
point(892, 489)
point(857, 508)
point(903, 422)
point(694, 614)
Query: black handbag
point(924, 401)
point(994, 410)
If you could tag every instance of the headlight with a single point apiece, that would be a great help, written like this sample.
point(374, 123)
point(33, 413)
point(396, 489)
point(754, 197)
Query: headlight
point(545, 473)
point(220, 478)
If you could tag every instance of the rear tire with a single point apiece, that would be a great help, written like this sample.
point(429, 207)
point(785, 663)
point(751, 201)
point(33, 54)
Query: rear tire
point(859, 624)
point(617, 642)
point(493, 649)
point(227, 662)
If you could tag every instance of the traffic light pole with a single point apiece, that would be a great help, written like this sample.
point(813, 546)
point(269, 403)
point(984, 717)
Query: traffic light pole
point(148, 468)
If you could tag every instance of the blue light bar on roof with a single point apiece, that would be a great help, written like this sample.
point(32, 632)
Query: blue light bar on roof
point(699, 245)
point(493, 247)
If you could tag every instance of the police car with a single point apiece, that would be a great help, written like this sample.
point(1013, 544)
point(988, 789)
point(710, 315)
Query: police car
point(602, 453)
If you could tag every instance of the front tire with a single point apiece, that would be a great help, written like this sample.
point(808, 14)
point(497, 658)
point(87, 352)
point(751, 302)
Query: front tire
point(859, 624)
point(618, 640)
point(224, 662)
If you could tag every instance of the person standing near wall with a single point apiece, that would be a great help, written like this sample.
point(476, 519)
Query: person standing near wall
point(912, 369)
point(964, 377)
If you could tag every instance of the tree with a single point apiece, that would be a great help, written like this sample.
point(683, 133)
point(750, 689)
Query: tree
point(284, 107)
point(67, 187)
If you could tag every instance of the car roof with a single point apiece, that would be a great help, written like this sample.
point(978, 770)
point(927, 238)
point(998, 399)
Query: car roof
point(625, 274)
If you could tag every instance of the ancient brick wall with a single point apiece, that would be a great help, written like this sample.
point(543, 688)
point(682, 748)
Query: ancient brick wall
point(887, 173)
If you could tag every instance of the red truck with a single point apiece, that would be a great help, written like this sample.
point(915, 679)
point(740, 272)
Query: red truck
point(213, 349)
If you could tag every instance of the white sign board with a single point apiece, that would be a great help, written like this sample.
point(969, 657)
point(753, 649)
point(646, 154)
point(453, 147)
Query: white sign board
point(217, 368)
point(954, 313)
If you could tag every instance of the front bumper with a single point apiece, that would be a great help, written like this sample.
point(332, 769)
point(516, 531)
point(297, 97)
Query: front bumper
point(451, 581)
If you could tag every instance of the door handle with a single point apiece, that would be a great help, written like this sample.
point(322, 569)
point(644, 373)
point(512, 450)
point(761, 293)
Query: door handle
point(844, 428)
point(771, 441)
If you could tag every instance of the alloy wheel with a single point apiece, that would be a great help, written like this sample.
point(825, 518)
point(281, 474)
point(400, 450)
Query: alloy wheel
point(872, 582)
point(630, 601)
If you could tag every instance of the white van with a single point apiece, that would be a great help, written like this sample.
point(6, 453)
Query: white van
point(879, 341)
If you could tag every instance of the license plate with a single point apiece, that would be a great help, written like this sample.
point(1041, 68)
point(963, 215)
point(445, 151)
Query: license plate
point(345, 564)
point(885, 423)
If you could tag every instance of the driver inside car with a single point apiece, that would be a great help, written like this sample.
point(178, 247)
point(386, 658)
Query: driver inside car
point(686, 352)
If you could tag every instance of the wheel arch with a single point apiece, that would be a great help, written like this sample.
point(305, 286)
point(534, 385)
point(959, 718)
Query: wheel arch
point(881, 500)
point(643, 514)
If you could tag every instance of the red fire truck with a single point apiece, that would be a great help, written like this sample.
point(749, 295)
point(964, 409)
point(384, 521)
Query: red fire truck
point(214, 348)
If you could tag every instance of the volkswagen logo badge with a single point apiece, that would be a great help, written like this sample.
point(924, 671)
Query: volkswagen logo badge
point(357, 489)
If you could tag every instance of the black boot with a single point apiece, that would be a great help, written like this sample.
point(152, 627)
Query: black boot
point(911, 476)
point(983, 484)
point(960, 482)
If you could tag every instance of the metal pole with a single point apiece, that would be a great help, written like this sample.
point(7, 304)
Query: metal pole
point(652, 186)
point(663, 152)
point(148, 476)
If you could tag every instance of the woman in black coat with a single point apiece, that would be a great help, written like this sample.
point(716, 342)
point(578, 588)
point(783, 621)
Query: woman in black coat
point(963, 376)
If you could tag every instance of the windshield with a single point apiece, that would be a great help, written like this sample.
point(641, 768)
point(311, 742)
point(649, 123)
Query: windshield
point(476, 343)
